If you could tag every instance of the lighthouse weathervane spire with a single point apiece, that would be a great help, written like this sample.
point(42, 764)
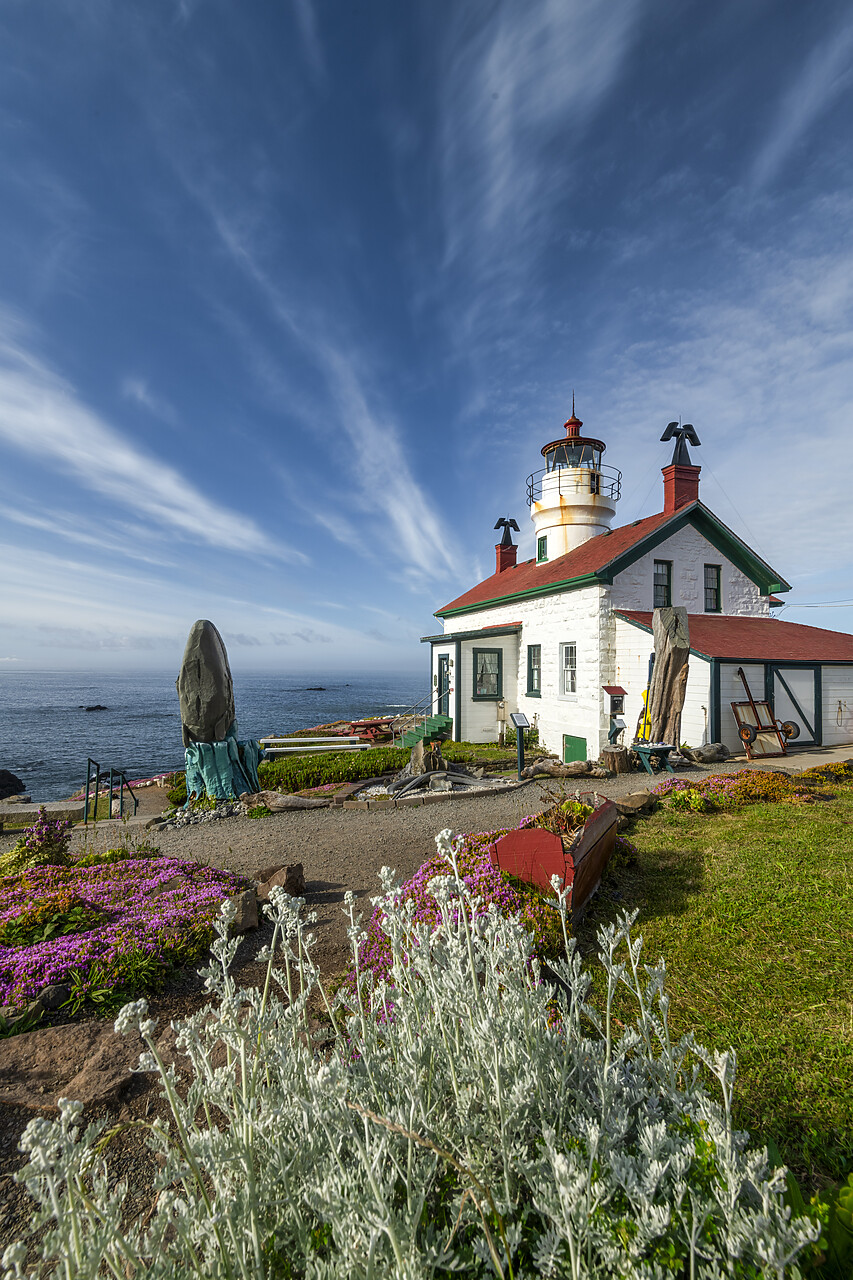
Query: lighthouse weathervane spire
point(681, 434)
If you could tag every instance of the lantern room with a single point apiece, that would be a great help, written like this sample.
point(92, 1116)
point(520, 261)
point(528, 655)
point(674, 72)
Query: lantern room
point(573, 497)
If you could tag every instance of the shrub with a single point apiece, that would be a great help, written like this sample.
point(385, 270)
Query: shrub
point(732, 790)
point(296, 773)
point(43, 844)
point(689, 800)
point(468, 1134)
point(494, 890)
point(177, 794)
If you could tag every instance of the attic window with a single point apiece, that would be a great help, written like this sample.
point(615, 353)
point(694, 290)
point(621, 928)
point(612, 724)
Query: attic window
point(663, 584)
point(712, 588)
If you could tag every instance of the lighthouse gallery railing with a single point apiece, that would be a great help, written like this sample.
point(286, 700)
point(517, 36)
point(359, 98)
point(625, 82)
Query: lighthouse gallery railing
point(605, 481)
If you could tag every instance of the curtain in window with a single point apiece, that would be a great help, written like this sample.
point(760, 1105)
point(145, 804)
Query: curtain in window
point(487, 674)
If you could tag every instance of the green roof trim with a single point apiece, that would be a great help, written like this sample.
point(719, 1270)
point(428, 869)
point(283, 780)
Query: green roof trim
point(550, 589)
point(721, 537)
point(484, 633)
point(704, 521)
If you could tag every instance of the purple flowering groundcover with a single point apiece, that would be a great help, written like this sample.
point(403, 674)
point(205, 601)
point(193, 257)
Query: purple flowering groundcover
point(146, 916)
point(490, 884)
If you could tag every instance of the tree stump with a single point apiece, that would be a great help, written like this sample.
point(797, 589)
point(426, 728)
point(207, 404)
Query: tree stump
point(669, 674)
point(616, 759)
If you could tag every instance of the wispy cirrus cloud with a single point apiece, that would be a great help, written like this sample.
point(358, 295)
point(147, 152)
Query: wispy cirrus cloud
point(377, 458)
point(306, 21)
point(827, 71)
point(516, 82)
point(138, 391)
point(41, 415)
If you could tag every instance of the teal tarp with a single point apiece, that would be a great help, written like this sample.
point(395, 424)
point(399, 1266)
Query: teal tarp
point(223, 770)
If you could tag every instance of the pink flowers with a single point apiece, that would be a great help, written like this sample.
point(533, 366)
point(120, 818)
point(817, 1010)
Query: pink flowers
point(155, 912)
point(489, 884)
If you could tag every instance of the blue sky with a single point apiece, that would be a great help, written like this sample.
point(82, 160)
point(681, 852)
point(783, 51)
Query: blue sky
point(292, 294)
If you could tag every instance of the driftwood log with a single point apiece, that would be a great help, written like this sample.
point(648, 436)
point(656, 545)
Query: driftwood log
point(553, 769)
point(278, 803)
point(669, 675)
point(616, 759)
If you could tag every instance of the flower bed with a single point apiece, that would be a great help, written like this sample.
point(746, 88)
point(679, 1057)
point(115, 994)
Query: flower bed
point(119, 926)
point(732, 790)
point(491, 886)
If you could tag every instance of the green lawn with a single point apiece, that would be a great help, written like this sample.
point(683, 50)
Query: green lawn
point(752, 910)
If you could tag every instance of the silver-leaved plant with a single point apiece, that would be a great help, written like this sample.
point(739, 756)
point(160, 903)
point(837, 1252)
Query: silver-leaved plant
point(466, 1117)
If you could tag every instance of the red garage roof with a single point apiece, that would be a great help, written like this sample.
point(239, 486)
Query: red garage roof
point(715, 635)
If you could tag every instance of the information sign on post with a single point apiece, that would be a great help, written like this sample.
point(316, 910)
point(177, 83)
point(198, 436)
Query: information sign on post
point(519, 719)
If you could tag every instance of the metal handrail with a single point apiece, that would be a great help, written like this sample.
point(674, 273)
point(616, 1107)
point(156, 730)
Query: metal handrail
point(605, 481)
point(113, 775)
point(418, 711)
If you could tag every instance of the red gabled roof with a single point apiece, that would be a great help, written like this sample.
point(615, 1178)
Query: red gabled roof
point(717, 635)
point(589, 558)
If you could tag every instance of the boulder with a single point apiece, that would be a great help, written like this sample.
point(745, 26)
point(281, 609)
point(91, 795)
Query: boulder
point(289, 878)
point(10, 785)
point(636, 804)
point(55, 996)
point(86, 1061)
point(711, 753)
point(247, 912)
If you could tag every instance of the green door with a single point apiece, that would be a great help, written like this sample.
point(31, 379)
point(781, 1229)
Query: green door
point(573, 748)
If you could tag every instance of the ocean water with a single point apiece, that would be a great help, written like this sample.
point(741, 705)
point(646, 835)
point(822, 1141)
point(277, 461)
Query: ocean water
point(46, 736)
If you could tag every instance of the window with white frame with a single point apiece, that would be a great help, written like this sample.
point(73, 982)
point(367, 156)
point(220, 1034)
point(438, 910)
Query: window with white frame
point(568, 668)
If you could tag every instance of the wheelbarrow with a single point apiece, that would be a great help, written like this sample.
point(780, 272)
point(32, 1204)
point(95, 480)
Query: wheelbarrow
point(758, 728)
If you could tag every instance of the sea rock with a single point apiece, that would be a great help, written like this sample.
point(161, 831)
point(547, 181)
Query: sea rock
point(19, 799)
point(636, 804)
point(289, 878)
point(247, 912)
point(10, 785)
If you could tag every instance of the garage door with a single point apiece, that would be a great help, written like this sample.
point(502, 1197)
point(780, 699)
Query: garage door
point(796, 696)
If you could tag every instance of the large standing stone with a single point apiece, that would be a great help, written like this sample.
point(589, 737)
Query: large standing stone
point(205, 688)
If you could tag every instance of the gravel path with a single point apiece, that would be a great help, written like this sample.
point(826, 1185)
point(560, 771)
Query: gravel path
point(344, 849)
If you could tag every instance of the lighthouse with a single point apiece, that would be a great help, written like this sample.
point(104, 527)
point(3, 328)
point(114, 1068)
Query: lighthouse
point(573, 497)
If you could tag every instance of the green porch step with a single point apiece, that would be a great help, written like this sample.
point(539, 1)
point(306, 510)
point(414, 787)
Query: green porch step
point(435, 727)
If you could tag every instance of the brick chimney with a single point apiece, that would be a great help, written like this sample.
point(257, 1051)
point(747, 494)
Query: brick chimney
point(680, 486)
point(505, 557)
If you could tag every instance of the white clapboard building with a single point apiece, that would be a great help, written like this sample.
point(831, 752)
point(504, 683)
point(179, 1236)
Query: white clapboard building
point(555, 636)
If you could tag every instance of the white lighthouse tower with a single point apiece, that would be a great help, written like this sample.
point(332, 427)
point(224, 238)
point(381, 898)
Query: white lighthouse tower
point(574, 496)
